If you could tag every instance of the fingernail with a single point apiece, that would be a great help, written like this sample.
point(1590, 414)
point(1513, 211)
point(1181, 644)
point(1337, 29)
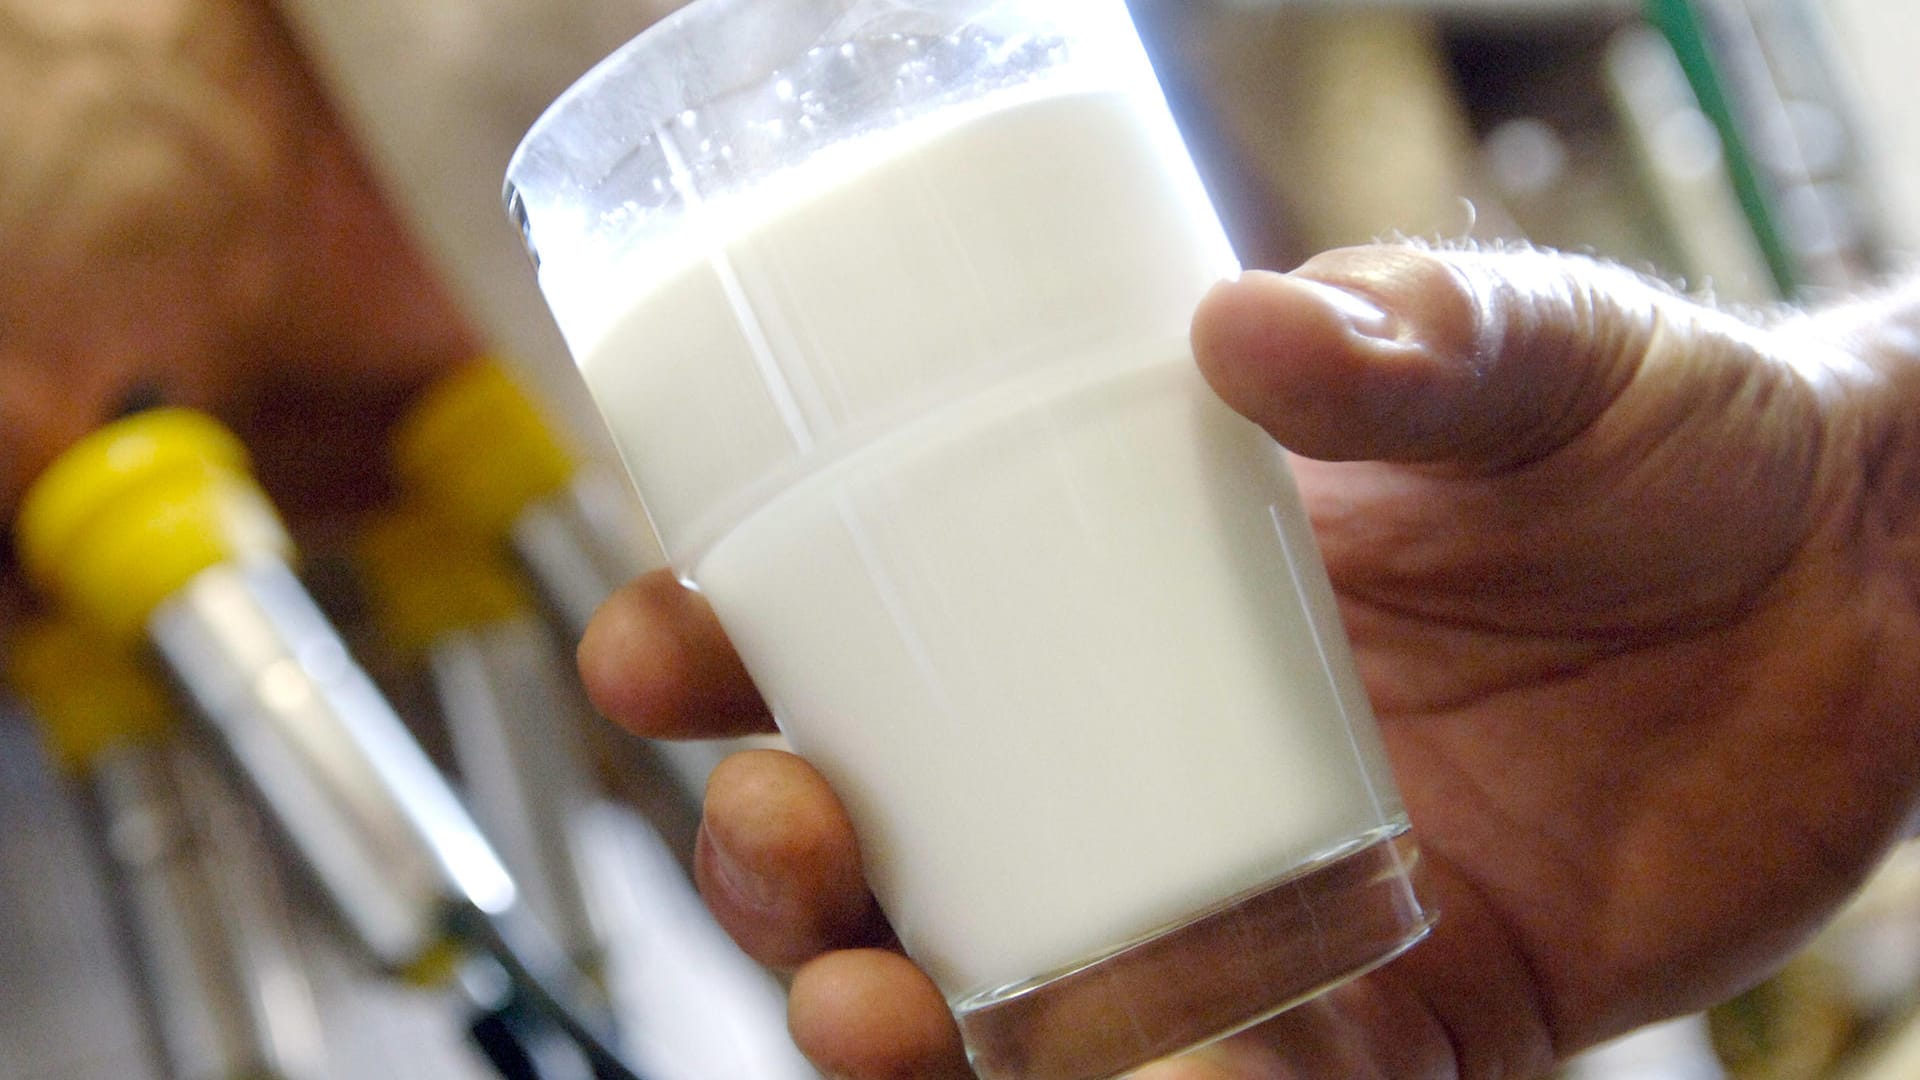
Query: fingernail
point(1365, 317)
point(752, 889)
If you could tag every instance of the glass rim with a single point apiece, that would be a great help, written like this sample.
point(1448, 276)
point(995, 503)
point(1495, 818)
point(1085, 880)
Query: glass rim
point(757, 34)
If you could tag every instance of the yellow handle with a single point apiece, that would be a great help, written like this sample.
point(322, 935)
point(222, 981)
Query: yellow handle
point(426, 580)
point(477, 450)
point(90, 696)
point(131, 513)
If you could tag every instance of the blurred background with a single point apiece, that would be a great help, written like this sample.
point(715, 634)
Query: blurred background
point(1754, 151)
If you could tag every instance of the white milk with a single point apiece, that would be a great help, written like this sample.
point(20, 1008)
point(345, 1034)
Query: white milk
point(1008, 572)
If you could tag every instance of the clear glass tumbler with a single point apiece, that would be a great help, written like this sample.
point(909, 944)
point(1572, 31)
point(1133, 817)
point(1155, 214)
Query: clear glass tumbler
point(885, 303)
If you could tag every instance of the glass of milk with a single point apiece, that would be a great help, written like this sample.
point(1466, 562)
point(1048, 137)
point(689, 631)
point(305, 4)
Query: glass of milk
point(886, 305)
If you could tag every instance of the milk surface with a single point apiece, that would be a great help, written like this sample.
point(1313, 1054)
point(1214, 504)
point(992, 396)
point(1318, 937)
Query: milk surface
point(922, 424)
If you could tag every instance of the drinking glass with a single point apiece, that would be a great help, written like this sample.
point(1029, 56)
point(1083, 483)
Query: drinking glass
point(886, 305)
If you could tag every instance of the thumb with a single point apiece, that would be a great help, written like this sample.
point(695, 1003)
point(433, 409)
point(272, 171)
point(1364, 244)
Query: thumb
point(1482, 360)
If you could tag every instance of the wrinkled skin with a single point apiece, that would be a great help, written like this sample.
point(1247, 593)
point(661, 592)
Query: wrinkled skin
point(185, 218)
point(1634, 586)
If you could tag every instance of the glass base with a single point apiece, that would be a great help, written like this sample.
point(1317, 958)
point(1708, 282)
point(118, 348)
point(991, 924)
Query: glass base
point(1236, 966)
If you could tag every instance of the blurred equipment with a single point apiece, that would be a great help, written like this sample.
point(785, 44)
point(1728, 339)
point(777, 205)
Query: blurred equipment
point(152, 528)
point(477, 451)
point(1718, 142)
point(1759, 71)
point(211, 944)
point(450, 605)
point(1680, 157)
point(691, 1005)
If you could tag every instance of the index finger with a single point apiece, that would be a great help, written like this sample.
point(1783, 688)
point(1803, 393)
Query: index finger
point(655, 661)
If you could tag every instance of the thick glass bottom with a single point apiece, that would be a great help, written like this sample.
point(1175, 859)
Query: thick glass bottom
point(1236, 966)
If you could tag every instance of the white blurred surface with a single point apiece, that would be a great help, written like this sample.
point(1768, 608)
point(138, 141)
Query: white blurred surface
point(1676, 1050)
point(67, 1010)
point(1880, 39)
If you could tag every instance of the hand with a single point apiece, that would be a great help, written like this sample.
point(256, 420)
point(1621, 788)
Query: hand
point(1635, 588)
point(186, 218)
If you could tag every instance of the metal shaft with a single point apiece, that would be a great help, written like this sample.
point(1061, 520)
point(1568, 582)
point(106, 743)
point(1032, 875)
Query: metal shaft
point(366, 811)
point(521, 766)
point(201, 908)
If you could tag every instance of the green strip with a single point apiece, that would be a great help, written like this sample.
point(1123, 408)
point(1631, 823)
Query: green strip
point(1679, 22)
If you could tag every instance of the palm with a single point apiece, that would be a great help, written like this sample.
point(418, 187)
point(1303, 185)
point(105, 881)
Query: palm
point(1593, 659)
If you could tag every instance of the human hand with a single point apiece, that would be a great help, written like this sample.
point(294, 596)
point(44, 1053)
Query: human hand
point(1633, 588)
point(185, 217)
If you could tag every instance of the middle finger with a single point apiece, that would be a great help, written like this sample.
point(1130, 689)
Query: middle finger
point(777, 862)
